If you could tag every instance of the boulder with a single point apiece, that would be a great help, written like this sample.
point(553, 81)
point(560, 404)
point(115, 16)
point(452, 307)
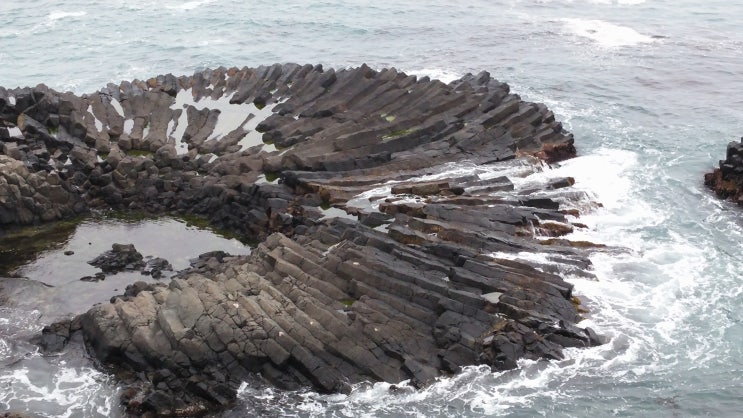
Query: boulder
point(727, 180)
point(121, 257)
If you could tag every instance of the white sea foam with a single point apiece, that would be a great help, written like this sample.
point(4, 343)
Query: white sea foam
point(512, 169)
point(619, 2)
point(191, 5)
point(445, 76)
point(67, 392)
point(625, 305)
point(605, 34)
point(57, 15)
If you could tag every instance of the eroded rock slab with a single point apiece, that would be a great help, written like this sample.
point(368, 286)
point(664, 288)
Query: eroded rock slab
point(410, 284)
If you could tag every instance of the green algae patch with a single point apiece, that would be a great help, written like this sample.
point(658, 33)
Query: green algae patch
point(140, 153)
point(201, 222)
point(396, 134)
point(19, 245)
point(388, 118)
point(347, 302)
point(272, 176)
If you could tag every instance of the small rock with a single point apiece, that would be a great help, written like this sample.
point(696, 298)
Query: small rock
point(156, 266)
point(121, 257)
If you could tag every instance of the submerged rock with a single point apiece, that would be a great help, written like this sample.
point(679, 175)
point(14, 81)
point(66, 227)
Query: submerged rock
point(94, 278)
point(410, 287)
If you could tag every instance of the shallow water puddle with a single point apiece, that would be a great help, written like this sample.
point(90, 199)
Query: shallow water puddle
point(62, 258)
point(333, 212)
point(232, 116)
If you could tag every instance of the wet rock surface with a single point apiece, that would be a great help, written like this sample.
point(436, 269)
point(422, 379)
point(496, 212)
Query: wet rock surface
point(121, 257)
point(124, 257)
point(156, 266)
point(411, 284)
point(727, 180)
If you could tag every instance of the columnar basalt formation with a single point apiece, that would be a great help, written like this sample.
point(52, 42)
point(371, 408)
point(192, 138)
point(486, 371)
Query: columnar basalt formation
point(418, 278)
point(727, 180)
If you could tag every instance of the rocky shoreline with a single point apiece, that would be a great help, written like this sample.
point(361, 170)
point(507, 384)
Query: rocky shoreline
point(412, 283)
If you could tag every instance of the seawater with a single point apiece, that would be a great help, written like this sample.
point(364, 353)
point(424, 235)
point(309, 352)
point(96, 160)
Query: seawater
point(651, 90)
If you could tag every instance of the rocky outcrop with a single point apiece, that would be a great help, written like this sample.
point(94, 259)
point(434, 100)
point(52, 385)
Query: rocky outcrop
point(121, 257)
point(124, 257)
point(727, 180)
point(388, 210)
point(30, 197)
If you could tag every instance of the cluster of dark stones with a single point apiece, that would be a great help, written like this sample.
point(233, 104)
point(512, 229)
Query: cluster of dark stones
point(727, 180)
point(121, 257)
point(124, 257)
point(413, 290)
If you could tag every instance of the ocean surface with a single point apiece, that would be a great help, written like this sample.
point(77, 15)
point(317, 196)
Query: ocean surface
point(652, 90)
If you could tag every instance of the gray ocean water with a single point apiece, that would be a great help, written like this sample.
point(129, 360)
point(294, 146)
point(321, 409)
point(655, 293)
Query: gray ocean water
point(652, 90)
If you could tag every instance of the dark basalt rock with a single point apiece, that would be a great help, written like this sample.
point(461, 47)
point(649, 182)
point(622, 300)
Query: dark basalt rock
point(727, 180)
point(156, 266)
point(14, 414)
point(412, 286)
point(94, 278)
point(124, 257)
point(121, 257)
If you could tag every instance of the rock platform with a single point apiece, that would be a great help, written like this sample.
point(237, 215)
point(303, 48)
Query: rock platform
point(416, 278)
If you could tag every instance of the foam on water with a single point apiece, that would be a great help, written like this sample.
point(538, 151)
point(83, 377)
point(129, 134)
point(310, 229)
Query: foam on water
point(605, 34)
point(515, 169)
point(190, 5)
point(445, 76)
point(57, 15)
point(66, 392)
point(477, 390)
point(642, 300)
point(617, 2)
